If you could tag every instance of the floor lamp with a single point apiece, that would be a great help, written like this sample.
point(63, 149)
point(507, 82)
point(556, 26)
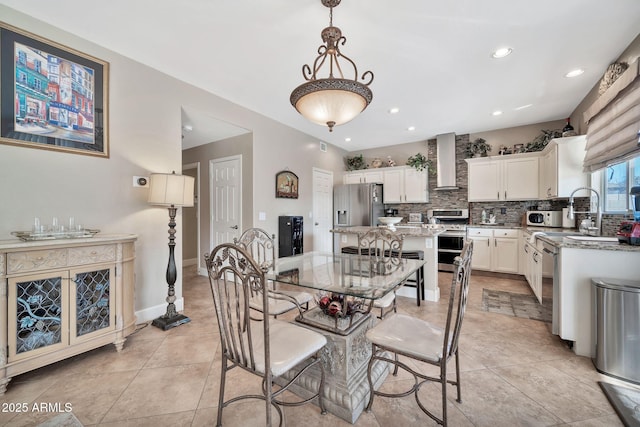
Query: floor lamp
point(173, 191)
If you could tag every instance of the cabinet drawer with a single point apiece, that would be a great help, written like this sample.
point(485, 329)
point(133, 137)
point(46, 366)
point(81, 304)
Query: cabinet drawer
point(506, 233)
point(92, 254)
point(484, 232)
point(20, 262)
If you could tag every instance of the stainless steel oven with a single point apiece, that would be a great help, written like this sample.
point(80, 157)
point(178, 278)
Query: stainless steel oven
point(451, 241)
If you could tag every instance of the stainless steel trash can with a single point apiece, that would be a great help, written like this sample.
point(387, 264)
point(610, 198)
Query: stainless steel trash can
point(617, 328)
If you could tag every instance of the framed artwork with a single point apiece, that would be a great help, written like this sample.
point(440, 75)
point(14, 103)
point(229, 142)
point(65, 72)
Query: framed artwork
point(286, 185)
point(518, 148)
point(53, 97)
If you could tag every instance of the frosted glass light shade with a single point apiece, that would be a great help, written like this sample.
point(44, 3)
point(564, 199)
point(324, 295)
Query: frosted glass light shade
point(171, 189)
point(331, 101)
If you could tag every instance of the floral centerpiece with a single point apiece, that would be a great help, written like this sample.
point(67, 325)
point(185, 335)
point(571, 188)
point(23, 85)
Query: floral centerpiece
point(334, 305)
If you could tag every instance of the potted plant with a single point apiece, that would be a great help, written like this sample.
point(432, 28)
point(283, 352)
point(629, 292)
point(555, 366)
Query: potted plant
point(420, 162)
point(541, 141)
point(478, 148)
point(355, 163)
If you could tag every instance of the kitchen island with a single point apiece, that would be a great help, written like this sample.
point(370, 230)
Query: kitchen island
point(576, 262)
point(416, 238)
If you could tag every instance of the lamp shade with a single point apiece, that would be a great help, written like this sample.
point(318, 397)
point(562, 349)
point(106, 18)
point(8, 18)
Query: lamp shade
point(171, 189)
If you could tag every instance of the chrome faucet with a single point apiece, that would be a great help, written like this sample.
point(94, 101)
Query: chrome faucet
point(571, 213)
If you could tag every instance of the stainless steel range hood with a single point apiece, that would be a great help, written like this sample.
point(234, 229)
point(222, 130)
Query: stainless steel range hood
point(446, 162)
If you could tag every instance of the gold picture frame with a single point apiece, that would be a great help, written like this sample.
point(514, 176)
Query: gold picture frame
point(52, 97)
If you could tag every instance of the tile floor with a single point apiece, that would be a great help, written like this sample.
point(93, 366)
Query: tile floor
point(515, 373)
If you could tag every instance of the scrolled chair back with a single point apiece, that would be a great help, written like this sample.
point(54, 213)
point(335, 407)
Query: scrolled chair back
point(234, 277)
point(259, 244)
point(383, 249)
point(458, 303)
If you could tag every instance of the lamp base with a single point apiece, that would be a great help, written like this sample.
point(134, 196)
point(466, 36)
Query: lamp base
point(166, 323)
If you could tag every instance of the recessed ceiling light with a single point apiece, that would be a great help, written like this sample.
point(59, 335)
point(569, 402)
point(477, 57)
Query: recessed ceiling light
point(496, 113)
point(410, 128)
point(502, 52)
point(394, 110)
point(574, 73)
point(347, 139)
point(522, 107)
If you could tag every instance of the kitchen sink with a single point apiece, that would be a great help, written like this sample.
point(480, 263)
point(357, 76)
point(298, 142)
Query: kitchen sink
point(594, 239)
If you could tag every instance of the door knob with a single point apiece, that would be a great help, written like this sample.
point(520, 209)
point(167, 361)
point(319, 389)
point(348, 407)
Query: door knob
point(235, 227)
point(317, 223)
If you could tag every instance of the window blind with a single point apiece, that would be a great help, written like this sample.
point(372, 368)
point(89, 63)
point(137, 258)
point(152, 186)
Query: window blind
point(614, 123)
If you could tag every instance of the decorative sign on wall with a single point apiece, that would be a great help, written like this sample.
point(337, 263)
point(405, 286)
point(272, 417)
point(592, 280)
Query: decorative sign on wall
point(53, 97)
point(286, 185)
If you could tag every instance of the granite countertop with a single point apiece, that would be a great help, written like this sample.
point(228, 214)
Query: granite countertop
point(403, 230)
point(559, 241)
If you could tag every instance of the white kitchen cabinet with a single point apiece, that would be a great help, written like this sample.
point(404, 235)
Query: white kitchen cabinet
point(362, 177)
point(561, 167)
point(533, 269)
point(482, 239)
point(404, 184)
point(495, 249)
point(63, 297)
point(514, 177)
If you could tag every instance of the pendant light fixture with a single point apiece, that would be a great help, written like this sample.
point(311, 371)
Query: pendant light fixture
point(331, 100)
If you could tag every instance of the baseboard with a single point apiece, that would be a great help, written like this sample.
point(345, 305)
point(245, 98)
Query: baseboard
point(432, 295)
point(188, 262)
point(150, 313)
point(202, 271)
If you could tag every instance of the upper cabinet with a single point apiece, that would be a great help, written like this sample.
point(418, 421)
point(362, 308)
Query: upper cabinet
point(362, 177)
point(513, 177)
point(402, 184)
point(561, 167)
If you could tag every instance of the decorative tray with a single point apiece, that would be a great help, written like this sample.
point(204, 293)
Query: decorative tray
point(28, 236)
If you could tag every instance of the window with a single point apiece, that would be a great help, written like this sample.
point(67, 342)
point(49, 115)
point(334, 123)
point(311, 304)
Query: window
point(617, 181)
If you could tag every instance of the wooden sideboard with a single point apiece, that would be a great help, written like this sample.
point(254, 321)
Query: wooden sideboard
point(60, 298)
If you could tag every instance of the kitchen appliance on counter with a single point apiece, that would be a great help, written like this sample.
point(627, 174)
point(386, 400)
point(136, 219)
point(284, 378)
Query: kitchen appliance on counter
point(357, 204)
point(415, 218)
point(450, 241)
point(544, 218)
point(629, 231)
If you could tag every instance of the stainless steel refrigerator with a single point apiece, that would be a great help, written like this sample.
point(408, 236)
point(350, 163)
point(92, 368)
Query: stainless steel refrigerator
point(356, 204)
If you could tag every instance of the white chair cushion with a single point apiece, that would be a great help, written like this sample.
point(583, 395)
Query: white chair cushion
point(300, 297)
point(290, 345)
point(385, 301)
point(408, 335)
point(276, 306)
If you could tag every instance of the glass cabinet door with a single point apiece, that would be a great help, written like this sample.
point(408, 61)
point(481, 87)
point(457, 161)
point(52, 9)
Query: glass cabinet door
point(92, 298)
point(37, 314)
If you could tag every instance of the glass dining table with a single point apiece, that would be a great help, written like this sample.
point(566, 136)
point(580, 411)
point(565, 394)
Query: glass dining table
point(354, 279)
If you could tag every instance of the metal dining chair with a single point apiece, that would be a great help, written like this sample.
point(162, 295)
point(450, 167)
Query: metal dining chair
point(383, 249)
point(423, 341)
point(261, 246)
point(269, 348)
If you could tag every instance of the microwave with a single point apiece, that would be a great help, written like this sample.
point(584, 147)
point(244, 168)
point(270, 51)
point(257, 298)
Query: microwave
point(544, 218)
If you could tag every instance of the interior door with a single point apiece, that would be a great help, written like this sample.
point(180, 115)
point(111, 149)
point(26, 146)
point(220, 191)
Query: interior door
point(226, 199)
point(322, 210)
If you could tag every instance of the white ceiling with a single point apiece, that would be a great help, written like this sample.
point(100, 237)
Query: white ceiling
point(431, 59)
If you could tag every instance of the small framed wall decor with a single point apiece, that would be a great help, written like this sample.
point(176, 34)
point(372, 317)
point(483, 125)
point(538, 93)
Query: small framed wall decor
point(286, 185)
point(53, 97)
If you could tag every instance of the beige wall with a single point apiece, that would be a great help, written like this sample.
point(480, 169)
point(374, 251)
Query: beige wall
point(190, 222)
point(145, 136)
point(509, 137)
point(630, 55)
